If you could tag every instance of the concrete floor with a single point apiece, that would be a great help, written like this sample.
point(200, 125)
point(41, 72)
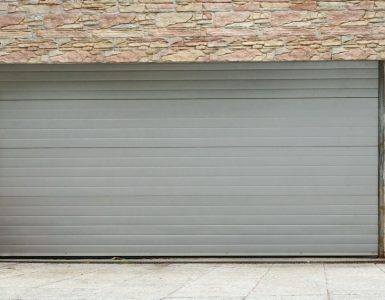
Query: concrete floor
point(39, 281)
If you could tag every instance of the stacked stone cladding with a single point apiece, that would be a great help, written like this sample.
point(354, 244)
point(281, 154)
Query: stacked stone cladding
point(124, 31)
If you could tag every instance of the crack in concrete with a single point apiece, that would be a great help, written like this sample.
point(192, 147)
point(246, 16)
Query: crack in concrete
point(188, 282)
point(326, 282)
point(258, 282)
point(379, 268)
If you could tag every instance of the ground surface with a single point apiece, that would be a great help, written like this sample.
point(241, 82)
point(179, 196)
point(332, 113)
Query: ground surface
point(38, 281)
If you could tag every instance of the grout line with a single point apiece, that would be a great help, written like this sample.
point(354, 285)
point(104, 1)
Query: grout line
point(258, 282)
point(326, 282)
point(379, 268)
point(188, 282)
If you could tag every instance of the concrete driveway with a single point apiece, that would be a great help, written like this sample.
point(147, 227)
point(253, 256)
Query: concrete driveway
point(41, 281)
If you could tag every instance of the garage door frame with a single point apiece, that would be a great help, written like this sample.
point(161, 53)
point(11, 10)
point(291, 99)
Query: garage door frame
point(381, 184)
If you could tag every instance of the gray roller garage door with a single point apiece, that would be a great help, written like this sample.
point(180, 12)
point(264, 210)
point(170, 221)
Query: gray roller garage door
point(189, 159)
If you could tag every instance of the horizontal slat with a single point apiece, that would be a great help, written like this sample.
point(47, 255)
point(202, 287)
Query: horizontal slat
point(188, 132)
point(192, 94)
point(241, 108)
point(188, 171)
point(43, 75)
point(257, 122)
point(156, 210)
point(247, 161)
point(189, 190)
point(188, 220)
point(177, 153)
point(195, 66)
point(190, 250)
point(194, 200)
point(239, 240)
point(171, 85)
point(187, 181)
point(190, 230)
point(189, 142)
point(196, 105)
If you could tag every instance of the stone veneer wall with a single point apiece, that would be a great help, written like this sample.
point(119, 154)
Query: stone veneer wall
point(54, 31)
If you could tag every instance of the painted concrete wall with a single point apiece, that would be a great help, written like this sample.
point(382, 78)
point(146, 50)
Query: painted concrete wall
point(55, 31)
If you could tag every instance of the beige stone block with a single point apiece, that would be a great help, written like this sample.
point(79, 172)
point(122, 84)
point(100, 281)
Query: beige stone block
point(241, 55)
point(356, 23)
point(297, 54)
point(15, 34)
point(37, 44)
point(3, 6)
point(305, 43)
point(298, 24)
point(19, 56)
point(272, 5)
point(158, 45)
point(355, 53)
point(156, 7)
point(310, 5)
point(90, 5)
point(338, 50)
point(167, 19)
point(232, 32)
point(175, 32)
point(249, 43)
point(331, 42)
point(125, 56)
point(347, 38)
point(281, 50)
point(78, 56)
point(50, 2)
point(279, 18)
point(215, 44)
point(241, 25)
point(16, 28)
point(111, 20)
point(52, 33)
point(226, 18)
point(251, 5)
point(333, 4)
point(274, 43)
point(36, 9)
point(57, 20)
point(217, 6)
point(110, 33)
point(71, 26)
point(103, 45)
point(379, 4)
point(189, 7)
point(8, 20)
point(132, 8)
point(184, 55)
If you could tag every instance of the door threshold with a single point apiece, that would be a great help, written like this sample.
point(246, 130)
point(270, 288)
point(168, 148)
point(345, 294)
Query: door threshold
point(192, 260)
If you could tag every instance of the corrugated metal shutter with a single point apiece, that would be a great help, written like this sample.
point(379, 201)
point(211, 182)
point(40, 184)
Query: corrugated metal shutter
point(189, 159)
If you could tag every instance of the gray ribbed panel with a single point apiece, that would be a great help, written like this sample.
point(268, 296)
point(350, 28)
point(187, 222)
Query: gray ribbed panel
point(189, 159)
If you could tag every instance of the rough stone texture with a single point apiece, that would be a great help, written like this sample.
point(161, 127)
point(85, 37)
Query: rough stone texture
point(55, 31)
